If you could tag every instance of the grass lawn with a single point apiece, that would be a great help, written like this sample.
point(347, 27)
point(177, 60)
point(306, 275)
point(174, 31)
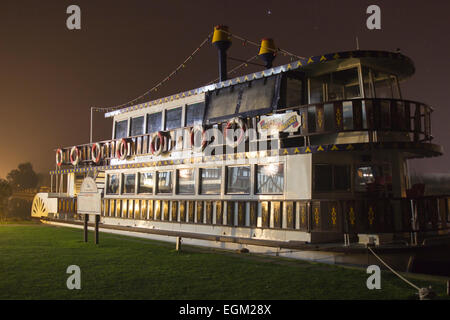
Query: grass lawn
point(34, 259)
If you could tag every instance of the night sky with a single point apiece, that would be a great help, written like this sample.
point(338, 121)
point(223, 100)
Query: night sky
point(50, 76)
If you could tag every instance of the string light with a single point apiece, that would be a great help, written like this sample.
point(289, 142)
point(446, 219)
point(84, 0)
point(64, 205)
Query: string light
point(155, 88)
point(188, 59)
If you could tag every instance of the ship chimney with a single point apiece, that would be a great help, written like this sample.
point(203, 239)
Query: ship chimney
point(222, 41)
point(267, 52)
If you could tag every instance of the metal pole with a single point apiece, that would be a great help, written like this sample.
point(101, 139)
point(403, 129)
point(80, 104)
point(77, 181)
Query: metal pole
point(97, 219)
point(86, 219)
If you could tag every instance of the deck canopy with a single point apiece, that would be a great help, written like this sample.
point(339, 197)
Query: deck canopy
point(394, 63)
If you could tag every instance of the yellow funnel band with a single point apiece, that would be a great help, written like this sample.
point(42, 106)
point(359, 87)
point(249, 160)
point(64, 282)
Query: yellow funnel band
point(267, 46)
point(221, 34)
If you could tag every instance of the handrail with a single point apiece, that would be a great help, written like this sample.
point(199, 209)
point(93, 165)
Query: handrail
point(352, 115)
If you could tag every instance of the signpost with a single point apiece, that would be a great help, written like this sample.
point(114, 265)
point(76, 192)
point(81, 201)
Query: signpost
point(89, 201)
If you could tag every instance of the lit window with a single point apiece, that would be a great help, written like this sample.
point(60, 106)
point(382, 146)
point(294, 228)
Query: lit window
point(270, 178)
point(186, 181)
point(238, 180)
point(145, 182)
point(112, 184)
point(129, 183)
point(210, 180)
point(165, 184)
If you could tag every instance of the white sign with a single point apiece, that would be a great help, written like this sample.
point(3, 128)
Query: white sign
point(282, 122)
point(89, 199)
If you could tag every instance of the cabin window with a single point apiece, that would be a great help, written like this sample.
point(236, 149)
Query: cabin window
point(294, 92)
point(338, 85)
point(373, 177)
point(328, 178)
point(222, 102)
point(165, 184)
point(210, 180)
point(173, 118)
point(369, 91)
point(186, 181)
point(194, 114)
point(270, 178)
point(145, 182)
point(341, 177)
point(137, 126)
point(129, 183)
point(112, 184)
point(257, 95)
point(121, 129)
point(323, 177)
point(154, 122)
point(315, 90)
point(238, 179)
point(385, 85)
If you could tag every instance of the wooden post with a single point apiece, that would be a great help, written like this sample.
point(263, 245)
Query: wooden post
point(97, 219)
point(178, 244)
point(448, 287)
point(86, 219)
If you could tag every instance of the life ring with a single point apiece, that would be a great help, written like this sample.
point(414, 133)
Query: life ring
point(96, 153)
point(73, 160)
point(153, 149)
point(194, 130)
point(241, 125)
point(59, 157)
point(122, 149)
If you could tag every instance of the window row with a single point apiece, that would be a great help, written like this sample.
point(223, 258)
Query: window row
point(153, 122)
point(269, 179)
point(367, 177)
point(351, 83)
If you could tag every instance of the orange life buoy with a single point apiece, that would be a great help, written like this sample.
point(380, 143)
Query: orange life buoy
point(157, 151)
point(75, 160)
point(96, 153)
point(241, 126)
point(59, 157)
point(194, 130)
point(122, 149)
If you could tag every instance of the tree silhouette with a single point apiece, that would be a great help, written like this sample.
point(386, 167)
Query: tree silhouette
point(5, 192)
point(23, 177)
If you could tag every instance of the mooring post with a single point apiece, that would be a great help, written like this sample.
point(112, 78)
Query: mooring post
point(97, 219)
point(86, 219)
point(178, 245)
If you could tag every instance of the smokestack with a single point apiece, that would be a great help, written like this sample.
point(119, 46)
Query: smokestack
point(222, 41)
point(267, 52)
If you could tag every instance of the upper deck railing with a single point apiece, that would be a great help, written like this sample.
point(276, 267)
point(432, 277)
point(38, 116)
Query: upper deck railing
point(411, 118)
